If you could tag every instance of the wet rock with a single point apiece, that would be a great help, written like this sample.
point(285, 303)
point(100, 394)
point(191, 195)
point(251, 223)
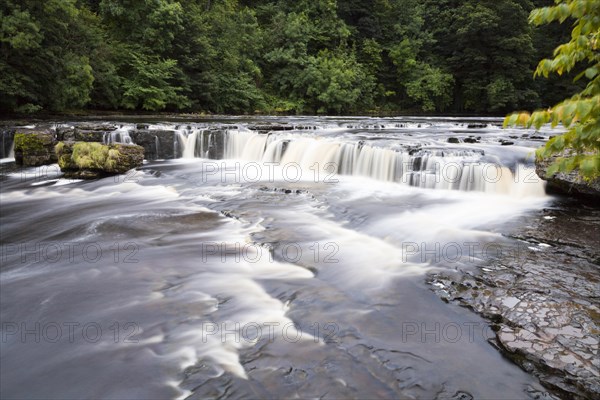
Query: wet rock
point(571, 183)
point(471, 140)
point(506, 143)
point(82, 135)
point(92, 160)
point(65, 133)
point(476, 126)
point(542, 297)
point(101, 127)
point(270, 128)
point(453, 140)
point(34, 147)
point(157, 144)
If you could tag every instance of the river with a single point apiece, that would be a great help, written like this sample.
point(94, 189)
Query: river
point(266, 263)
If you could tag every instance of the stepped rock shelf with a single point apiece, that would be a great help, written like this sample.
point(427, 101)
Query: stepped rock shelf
point(169, 141)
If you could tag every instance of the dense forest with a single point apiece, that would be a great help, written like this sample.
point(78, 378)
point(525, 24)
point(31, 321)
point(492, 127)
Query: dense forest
point(276, 56)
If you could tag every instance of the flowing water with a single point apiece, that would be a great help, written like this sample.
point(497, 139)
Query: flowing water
point(292, 264)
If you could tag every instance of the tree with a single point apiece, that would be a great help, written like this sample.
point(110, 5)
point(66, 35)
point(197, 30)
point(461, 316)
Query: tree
point(149, 84)
point(43, 62)
point(579, 147)
point(335, 83)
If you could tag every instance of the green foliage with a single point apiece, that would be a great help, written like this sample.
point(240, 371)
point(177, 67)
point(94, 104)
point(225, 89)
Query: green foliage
point(148, 86)
point(306, 56)
point(580, 145)
point(220, 60)
point(335, 83)
point(431, 88)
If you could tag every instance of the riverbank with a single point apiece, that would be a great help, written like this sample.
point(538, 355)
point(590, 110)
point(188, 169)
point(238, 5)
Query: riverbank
point(542, 298)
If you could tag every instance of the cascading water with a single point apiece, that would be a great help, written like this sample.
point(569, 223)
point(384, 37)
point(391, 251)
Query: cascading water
point(194, 144)
point(157, 146)
point(11, 154)
point(180, 142)
point(119, 135)
point(451, 169)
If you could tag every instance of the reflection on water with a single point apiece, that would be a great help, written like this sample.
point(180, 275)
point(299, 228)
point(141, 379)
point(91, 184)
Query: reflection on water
point(186, 279)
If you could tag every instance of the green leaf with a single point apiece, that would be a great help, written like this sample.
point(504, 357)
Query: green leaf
point(591, 72)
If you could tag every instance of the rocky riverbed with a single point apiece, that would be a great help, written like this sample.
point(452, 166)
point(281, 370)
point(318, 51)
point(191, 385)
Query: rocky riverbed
point(542, 295)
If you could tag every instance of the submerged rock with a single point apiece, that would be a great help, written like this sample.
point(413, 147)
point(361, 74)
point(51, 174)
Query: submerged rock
point(35, 147)
point(92, 160)
point(571, 183)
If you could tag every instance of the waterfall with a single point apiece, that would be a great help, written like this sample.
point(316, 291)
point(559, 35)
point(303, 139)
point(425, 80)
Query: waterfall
point(447, 169)
point(211, 144)
point(120, 135)
point(11, 152)
point(189, 149)
point(179, 143)
point(157, 146)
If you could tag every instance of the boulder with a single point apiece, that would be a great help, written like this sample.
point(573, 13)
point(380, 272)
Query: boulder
point(65, 133)
point(102, 127)
point(35, 147)
point(85, 135)
point(92, 160)
point(84, 132)
point(571, 183)
point(156, 143)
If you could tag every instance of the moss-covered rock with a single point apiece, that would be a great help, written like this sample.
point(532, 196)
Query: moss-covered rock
point(567, 183)
point(34, 148)
point(91, 160)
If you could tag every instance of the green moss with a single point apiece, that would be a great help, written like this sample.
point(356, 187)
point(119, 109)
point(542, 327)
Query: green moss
point(28, 143)
point(64, 161)
point(113, 159)
point(59, 148)
point(90, 155)
point(90, 160)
